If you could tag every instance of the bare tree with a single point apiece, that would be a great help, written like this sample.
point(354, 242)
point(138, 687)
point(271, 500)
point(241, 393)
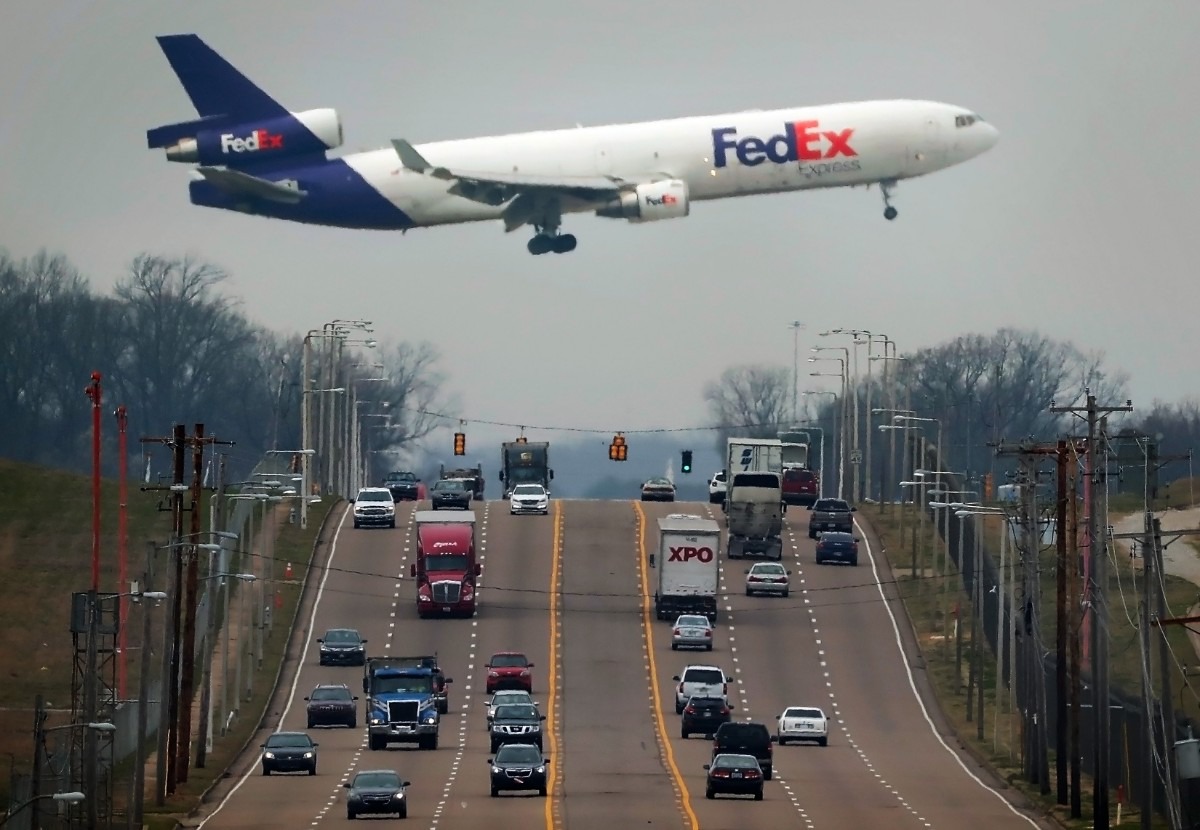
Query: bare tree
point(414, 394)
point(750, 401)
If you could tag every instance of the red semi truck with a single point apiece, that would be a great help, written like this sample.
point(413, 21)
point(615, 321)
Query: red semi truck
point(447, 563)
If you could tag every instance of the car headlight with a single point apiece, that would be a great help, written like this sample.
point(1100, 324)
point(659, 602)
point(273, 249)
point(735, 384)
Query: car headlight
point(496, 770)
point(308, 755)
point(430, 718)
point(376, 721)
point(540, 769)
point(269, 755)
point(399, 795)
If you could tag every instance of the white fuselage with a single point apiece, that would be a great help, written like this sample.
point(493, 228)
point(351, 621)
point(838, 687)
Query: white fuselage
point(718, 156)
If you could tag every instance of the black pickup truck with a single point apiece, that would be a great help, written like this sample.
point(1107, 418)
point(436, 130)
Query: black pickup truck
point(403, 485)
point(830, 514)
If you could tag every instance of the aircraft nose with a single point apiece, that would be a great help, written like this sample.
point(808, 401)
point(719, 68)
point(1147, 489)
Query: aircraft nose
point(988, 136)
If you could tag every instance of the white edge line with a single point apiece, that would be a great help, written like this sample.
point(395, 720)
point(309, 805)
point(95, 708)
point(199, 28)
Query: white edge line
point(295, 680)
point(912, 684)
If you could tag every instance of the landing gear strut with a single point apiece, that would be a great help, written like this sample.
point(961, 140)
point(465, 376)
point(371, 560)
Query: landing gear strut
point(889, 212)
point(544, 243)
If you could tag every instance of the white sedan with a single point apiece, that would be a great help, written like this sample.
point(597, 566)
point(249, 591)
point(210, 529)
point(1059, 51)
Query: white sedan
point(504, 697)
point(529, 498)
point(802, 723)
point(767, 578)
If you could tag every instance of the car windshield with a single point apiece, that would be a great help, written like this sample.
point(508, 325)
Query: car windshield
point(338, 693)
point(769, 570)
point(448, 484)
point(292, 739)
point(401, 477)
point(659, 482)
point(384, 685)
point(735, 761)
point(447, 562)
point(708, 676)
point(692, 622)
point(519, 754)
point(831, 505)
point(509, 661)
point(515, 711)
point(697, 700)
point(342, 636)
point(374, 495)
point(511, 697)
point(529, 490)
point(380, 780)
point(801, 712)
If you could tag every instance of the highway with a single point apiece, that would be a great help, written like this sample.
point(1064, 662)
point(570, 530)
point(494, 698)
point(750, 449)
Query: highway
point(572, 590)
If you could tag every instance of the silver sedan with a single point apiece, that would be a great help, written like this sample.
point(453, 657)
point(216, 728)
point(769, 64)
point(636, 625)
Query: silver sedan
point(692, 631)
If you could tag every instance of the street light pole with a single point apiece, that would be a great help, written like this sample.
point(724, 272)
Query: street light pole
point(795, 326)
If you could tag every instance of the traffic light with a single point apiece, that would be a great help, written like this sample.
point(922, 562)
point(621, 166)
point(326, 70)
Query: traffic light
point(687, 461)
point(617, 449)
point(460, 443)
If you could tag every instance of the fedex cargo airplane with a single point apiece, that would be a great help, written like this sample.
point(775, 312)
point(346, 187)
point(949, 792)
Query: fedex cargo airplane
point(255, 156)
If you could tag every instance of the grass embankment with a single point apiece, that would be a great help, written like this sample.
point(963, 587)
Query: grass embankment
point(46, 555)
point(930, 600)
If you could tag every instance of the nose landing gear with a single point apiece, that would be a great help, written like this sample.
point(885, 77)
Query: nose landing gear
point(889, 212)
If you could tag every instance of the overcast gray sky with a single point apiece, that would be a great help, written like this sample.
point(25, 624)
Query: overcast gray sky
point(1076, 224)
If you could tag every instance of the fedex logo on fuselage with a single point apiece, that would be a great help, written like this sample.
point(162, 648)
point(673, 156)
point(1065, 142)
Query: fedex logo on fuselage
point(799, 141)
point(257, 140)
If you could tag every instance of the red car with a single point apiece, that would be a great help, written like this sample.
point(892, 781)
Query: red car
point(509, 670)
point(800, 486)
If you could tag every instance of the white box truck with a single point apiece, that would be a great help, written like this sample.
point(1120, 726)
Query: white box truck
point(753, 455)
point(754, 515)
point(687, 564)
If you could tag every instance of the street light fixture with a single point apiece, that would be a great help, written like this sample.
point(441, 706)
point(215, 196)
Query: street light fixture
point(67, 798)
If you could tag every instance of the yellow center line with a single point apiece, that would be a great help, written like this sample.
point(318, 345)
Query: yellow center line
point(685, 800)
point(555, 770)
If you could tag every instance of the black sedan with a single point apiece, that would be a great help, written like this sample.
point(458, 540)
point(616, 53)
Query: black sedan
point(343, 647)
point(734, 775)
point(332, 705)
point(837, 547)
point(518, 767)
point(450, 492)
point(376, 791)
point(289, 752)
point(658, 489)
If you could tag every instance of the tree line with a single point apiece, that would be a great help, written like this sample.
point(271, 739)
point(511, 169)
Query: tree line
point(172, 349)
point(982, 388)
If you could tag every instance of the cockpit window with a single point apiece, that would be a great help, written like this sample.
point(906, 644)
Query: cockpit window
point(967, 120)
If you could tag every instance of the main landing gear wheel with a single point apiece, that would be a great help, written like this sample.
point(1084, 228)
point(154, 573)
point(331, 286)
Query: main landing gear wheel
point(544, 244)
point(889, 212)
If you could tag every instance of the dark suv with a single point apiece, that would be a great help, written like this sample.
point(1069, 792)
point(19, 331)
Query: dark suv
point(830, 514)
point(704, 715)
point(746, 739)
point(450, 492)
point(516, 723)
point(331, 705)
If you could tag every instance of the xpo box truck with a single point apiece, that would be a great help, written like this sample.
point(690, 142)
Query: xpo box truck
point(687, 564)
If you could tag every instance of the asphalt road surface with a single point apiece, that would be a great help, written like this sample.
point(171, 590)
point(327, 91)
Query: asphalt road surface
point(572, 590)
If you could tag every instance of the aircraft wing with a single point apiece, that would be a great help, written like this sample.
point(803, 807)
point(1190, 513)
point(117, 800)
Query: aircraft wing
point(236, 182)
point(522, 192)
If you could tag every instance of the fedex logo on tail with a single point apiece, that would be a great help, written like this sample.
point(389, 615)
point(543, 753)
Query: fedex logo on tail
point(799, 141)
point(257, 140)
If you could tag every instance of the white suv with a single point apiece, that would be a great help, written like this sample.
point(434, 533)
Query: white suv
point(716, 488)
point(374, 506)
point(705, 681)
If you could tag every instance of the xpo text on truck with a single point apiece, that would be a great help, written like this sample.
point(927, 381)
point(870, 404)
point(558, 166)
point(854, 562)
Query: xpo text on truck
point(687, 563)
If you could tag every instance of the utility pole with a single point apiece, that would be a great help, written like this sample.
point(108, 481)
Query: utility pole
point(35, 782)
point(1075, 616)
point(1098, 578)
point(1060, 628)
point(139, 754)
point(795, 326)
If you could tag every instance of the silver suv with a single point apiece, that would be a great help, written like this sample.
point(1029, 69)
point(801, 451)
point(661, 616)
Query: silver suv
point(702, 681)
